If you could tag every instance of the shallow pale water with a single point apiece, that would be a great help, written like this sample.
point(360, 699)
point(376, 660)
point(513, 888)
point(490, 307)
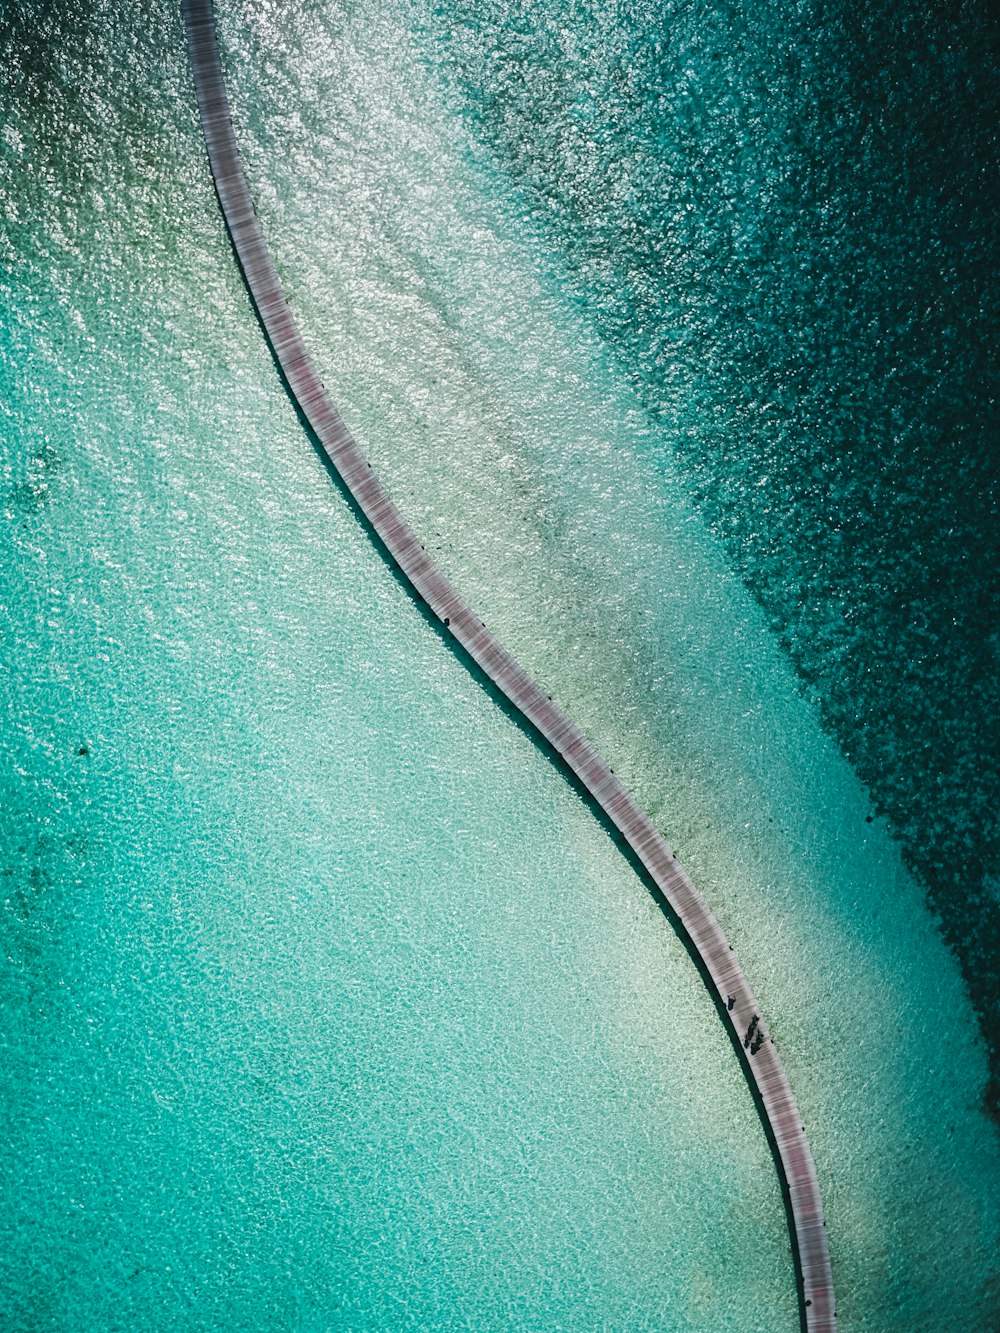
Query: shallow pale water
point(328, 1004)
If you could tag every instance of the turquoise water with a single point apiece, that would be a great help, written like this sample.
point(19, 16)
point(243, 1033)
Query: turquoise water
point(327, 1002)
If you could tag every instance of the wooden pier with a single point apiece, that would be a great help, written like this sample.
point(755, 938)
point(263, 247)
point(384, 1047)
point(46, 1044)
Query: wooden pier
point(764, 1069)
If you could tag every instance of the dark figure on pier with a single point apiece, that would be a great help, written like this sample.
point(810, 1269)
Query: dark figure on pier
point(730, 1001)
point(750, 1030)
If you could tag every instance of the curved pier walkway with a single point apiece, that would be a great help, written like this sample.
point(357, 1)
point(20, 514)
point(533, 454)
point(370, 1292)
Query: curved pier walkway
point(764, 1069)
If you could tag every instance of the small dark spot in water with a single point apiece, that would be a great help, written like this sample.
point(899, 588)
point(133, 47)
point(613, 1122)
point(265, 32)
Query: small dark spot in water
point(33, 493)
point(47, 458)
point(28, 497)
point(869, 819)
point(83, 750)
point(77, 844)
point(27, 894)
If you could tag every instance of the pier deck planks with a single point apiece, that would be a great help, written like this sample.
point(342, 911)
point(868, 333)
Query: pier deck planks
point(764, 1070)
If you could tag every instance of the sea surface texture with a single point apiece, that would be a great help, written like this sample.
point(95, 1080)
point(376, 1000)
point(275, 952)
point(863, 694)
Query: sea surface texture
point(326, 1002)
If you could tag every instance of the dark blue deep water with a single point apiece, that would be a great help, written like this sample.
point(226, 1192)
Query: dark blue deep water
point(783, 217)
